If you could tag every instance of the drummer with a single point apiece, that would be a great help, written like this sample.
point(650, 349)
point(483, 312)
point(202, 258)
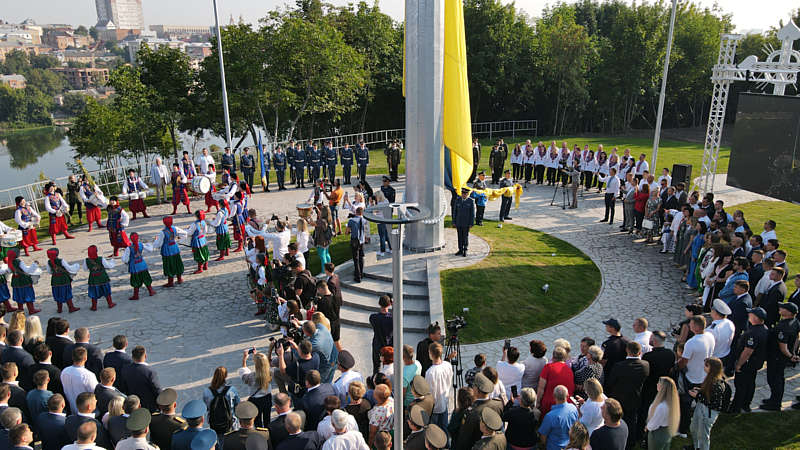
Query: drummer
point(220, 224)
point(89, 194)
point(5, 294)
point(22, 283)
point(27, 219)
point(179, 194)
point(61, 279)
point(197, 230)
point(136, 189)
point(211, 174)
point(117, 222)
point(56, 206)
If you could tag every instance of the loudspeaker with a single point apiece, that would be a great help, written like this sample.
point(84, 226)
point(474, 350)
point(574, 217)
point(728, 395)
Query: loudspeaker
point(682, 173)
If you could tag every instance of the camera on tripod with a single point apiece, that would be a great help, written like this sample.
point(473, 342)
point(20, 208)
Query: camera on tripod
point(455, 324)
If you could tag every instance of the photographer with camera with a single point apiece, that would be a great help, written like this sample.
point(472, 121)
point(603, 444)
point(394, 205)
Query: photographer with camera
point(292, 365)
point(329, 305)
point(574, 173)
point(321, 344)
point(305, 285)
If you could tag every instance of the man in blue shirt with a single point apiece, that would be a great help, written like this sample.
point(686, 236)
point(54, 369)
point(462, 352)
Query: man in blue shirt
point(740, 266)
point(554, 431)
point(322, 344)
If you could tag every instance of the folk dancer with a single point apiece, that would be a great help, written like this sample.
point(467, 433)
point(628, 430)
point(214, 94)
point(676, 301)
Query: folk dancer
point(187, 166)
point(211, 174)
point(238, 220)
point(279, 160)
point(22, 283)
point(116, 224)
point(346, 158)
point(220, 224)
point(229, 186)
point(27, 219)
point(137, 266)
point(61, 279)
point(3, 230)
point(99, 283)
point(5, 294)
point(134, 185)
point(93, 212)
point(179, 194)
point(167, 241)
point(57, 207)
point(197, 230)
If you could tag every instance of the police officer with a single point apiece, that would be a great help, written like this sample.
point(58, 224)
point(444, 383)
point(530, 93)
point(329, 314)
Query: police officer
point(316, 163)
point(387, 190)
point(781, 351)
point(290, 160)
point(435, 437)
point(248, 166)
point(279, 162)
point(235, 440)
point(492, 438)
point(346, 157)
point(165, 422)
point(362, 159)
point(330, 161)
point(417, 420)
point(752, 353)
point(299, 164)
point(137, 423)
point(194, 412)
point(229, 162)
point(205, 440)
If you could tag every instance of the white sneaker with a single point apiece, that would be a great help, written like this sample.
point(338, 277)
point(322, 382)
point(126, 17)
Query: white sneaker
point(380, 254)
point(388, 252)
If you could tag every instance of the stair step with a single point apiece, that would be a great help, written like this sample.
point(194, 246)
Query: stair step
point(378, 288)
point(360, 318)
point(369, 303)
point(388, 279)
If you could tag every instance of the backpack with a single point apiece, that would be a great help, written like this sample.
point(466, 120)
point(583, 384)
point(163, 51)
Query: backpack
point(726, 397)
point(219, 412)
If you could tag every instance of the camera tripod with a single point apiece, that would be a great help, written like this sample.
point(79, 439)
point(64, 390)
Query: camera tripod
point(453, 345)
point(564, 195)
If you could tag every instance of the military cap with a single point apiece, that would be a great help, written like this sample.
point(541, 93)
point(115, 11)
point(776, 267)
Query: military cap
point(138, 420)
point(167, 397)
point(346, 360)
point(246, 410)
point(482, 172)
point(194, 409)
point(257, 441)
point(758, 312)
point(491, 419)
point(420, 386)
point(385, 178)
point(204, 440)
point(613, 323)
point(483, 384)
point(435, 436)
point(721, 307)
point(789, 306)
point(418, 416)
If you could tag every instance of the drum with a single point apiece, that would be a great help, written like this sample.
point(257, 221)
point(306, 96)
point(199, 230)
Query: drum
point(133, 196)
point(201, 185)
point(11, 238)
point(304, 211)
point(98, 200)
point(36, 275)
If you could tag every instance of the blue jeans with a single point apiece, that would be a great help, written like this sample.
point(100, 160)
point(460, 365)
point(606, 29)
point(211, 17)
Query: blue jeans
point(383, 237)
point(324, 256)
point(440, 419)
point(701, 425)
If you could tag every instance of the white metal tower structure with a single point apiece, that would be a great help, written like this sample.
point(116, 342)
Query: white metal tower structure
point(779, 70)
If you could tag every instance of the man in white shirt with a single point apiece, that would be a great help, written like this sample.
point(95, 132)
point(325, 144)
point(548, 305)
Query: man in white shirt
point(342, 384)
point(160, 178)
point(612, 190)
point(665, 176)
point(769, 231)
point(509, 371)
point(440, 378)
point(76, 378)
point(642, 334)
point(721, 328)
point(641, 167)
point(344, 438)
point(204, 160)
point(696, 350)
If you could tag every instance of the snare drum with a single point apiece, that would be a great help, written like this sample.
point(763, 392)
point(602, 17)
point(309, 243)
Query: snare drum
point(201, 185)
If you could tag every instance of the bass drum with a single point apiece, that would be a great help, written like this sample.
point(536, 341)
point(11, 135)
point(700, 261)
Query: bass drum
point(201, 185)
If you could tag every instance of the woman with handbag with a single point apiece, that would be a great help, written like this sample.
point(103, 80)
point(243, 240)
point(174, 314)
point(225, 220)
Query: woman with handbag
point(259, 380)
point(651, 216)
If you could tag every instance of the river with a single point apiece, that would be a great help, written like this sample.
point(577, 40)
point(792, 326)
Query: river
point(26, 154)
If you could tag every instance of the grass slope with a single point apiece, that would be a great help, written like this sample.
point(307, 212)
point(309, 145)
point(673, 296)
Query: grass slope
point(778, 430)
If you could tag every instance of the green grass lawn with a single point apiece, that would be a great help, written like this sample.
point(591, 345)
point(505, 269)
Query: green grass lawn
point(787, 215)
point(778, 430)
point(503, 292)
point(339, 249)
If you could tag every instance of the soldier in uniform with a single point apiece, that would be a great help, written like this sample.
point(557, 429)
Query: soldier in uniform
point(417, 420)
point(248, 166)
point(493, 438)
point(362, 159)
point(421, 391)
point(476, 159)
point(138, 424)
point(290, 160)
point(752, 353)
point(330, 161)
point(346, 157)
point(165, 422)
point(781, 351)
point(470, 431)
point(308, 150)
point(193, 412)
point(316, 163)
point(299, 164)
point(435, 437)
point(229, 162)
point(279, 163)
point(235, 440)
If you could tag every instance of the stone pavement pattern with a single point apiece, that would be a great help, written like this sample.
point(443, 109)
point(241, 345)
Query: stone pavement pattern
point(637, 281)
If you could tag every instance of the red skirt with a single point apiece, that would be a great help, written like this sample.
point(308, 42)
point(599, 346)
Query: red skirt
point(29, 238)
point(93, 214)
point(210, 200)
point(137, 205)
point(119, 239)
point(57, 224)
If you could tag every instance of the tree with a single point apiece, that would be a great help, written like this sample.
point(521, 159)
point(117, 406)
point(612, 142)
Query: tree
point(44, 61)
point(93, 32)
point(82, 31)
point(16, 62)
point(46, 81)
point(95, 133)
point(74, 104)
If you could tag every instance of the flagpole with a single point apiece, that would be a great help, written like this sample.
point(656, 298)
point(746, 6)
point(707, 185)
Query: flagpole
point(222, 78)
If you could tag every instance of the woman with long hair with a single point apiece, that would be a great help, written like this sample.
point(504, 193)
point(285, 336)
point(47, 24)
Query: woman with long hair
point(578, 437)
point(323, 234)
point(694, 252)
point(219, 386)
point(381, 416)
point(663, 415)
point(303, 237)
point(258, 380)
point(33, 334)
point(17, 322)
point(591, 409)
point(319, 318)
point(464, 400)
point(709, 397)
point(114, 409)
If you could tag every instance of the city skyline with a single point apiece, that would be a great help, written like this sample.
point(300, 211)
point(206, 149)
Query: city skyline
point(746, 16)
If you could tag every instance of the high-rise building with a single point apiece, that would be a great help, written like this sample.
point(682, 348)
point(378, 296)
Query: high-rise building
point(119, 15)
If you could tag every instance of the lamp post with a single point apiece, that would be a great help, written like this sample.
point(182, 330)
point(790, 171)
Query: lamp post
point(222, 78)
point(661, 96)
point(397, 214)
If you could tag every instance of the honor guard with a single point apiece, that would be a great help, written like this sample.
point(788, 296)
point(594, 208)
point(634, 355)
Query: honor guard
point(193, 412)
point(228, 161)
point(346, 157)
point(279, 159)
point(435, 437)
point(417, 420)
point(310, 167)
point(330, 160)
point(248, 165)
point(299, 165)
point(316, 163)
point(235, 440)
point(290, 160)
point(362, 159)
point(470, 431)
point(165, 422)
point(138, 424)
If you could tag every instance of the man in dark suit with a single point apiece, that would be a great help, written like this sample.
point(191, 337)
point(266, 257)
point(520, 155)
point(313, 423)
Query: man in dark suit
point(463, 219)
point(105, 391)
point(775, 295)
point(50, 424)
point(117, 429)
point(18, 396)
point(756, 270)
point(117, 358)
point(43, 356)
point(86, 403)
point(277, 428)
point(298, 439)
point(9, 418)
point(661, 361)
point(739, 307)
point(94, 357)
point(141, 380)
point(3, 332)
point(59, 341)
point(16, 354)
point(795, 297)
point(313, 402)
point(625, 384)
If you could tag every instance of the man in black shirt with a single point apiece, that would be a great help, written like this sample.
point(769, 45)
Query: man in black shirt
point(614, 432)
point(434, 335)
point(301, 360)
point(305, 286)
point(382, 326)
point(780, 353)
point(613, 347)
point(661, 360)
point(753, 352)
point(328, 305)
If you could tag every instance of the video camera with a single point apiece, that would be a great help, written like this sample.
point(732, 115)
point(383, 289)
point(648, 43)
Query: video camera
point(455, 324)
